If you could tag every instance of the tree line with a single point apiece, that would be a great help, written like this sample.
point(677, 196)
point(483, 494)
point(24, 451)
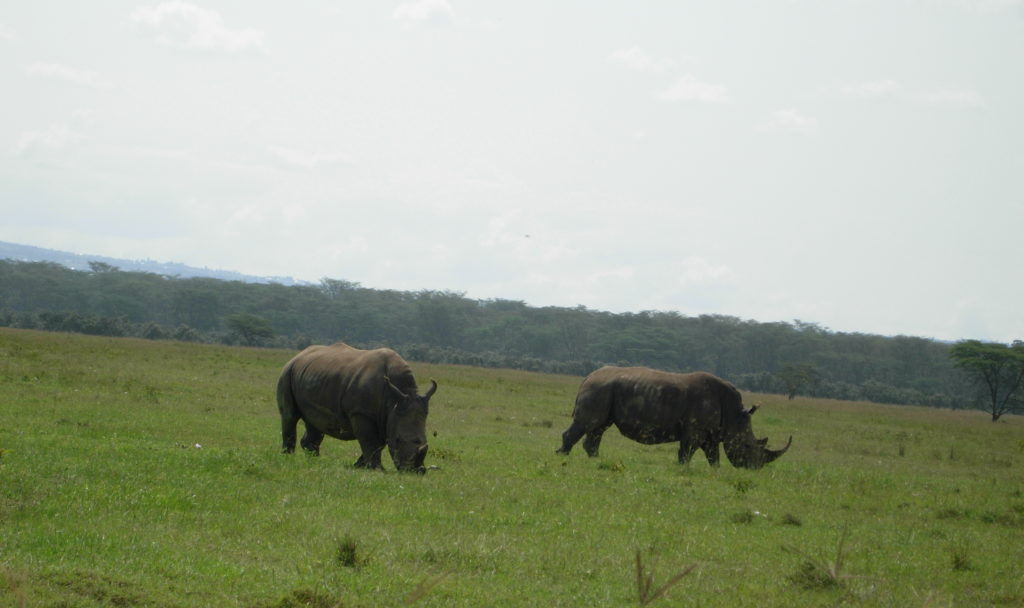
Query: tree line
point(447, 327)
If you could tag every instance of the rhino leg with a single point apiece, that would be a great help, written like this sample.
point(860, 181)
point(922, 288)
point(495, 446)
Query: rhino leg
point(311, 440)
point(688, 443)
point(288, 432)
point(710, 448)
point(369, 462)
point(369, 442)
point(687, 449)
point(289, 415)
point(592, 442)
point(571, 436)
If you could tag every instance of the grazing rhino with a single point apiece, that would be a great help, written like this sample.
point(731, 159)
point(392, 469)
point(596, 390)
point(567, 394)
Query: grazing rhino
point(698, 410)
point(347, 393)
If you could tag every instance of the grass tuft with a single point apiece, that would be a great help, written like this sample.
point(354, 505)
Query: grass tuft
point(817, 573)
point(305, 598)
point(960, 555)
point(349, 555)
point(616, 466)
point(646, 593)
point(742, 517)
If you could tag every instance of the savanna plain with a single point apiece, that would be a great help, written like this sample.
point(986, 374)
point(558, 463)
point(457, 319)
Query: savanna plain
point(138, 473)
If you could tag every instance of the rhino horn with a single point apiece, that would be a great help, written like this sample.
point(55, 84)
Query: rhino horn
point(770, 455)
point(430, 391)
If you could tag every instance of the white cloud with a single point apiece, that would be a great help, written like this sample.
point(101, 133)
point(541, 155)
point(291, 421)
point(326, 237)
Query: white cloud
point(424, 11)
point(637, 59)
point(870, 90)
point(880, 89)
point(7, 34)
point(689, 88)
point(54, 137)
point(306, 160)
point(695, 269)
point(63, 72)
point(790, 120)
point(185, 25)
point(953, 97)
point(989, 6)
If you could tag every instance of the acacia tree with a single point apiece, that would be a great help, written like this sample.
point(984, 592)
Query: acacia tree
point(796, 376)
point(250, 329)
point(997, 369)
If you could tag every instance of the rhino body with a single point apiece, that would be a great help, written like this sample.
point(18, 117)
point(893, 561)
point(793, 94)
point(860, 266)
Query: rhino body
point(699, 410)
point(347, 393)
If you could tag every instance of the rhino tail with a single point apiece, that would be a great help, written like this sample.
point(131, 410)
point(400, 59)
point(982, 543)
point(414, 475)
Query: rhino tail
point(285, 397)
point(288, 409)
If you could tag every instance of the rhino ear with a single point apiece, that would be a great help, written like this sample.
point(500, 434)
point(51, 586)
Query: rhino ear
point(430, 391)
point(394, 389)
point(752, 409)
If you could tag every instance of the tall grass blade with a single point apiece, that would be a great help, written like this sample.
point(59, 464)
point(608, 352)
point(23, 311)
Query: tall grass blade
point(645, 581)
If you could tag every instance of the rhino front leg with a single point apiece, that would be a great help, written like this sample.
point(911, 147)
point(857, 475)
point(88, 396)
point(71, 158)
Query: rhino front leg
point(687, 444)
point(371, 462)
point(710, 449)
point(369, 443)
point(311, 440)
point(686, 451)
point(593, 441)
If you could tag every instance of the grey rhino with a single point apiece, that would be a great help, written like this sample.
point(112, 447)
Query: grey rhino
point(348, 393)
point(699, 410)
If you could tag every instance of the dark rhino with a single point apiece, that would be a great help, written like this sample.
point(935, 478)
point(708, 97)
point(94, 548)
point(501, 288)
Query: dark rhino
point(347, 393)
point(698, 410)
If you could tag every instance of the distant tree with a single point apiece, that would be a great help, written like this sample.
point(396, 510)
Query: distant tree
point(997, 369)
point(796, 377)
point(99, 267)
point(333, 288)
point(249, 329)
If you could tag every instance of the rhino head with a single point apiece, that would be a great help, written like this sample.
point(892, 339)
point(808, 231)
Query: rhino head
point(407, 428)
point(742, 448)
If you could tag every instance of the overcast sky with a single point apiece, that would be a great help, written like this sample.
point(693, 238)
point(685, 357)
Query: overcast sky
point(855, 164)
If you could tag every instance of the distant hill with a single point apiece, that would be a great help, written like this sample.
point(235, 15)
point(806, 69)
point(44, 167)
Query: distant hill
point(77, 261)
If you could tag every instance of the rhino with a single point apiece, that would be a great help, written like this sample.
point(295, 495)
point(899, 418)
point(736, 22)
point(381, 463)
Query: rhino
point(348, 393)
point(699, 410)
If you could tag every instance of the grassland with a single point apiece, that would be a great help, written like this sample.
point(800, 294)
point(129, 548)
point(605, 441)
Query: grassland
point(137, 473)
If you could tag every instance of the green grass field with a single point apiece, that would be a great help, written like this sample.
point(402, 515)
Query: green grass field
point(137, 473)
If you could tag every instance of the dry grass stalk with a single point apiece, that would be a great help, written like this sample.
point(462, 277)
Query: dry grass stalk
point(645, 581)
point(423, 588)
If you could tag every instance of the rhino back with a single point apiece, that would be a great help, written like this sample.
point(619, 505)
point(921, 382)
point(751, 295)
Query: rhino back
point(330, 383)
point(649, 405)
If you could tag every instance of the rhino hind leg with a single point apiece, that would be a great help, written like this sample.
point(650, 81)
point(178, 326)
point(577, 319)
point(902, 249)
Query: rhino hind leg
point(571, 436)
point(289, 415)
point(288, 435)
